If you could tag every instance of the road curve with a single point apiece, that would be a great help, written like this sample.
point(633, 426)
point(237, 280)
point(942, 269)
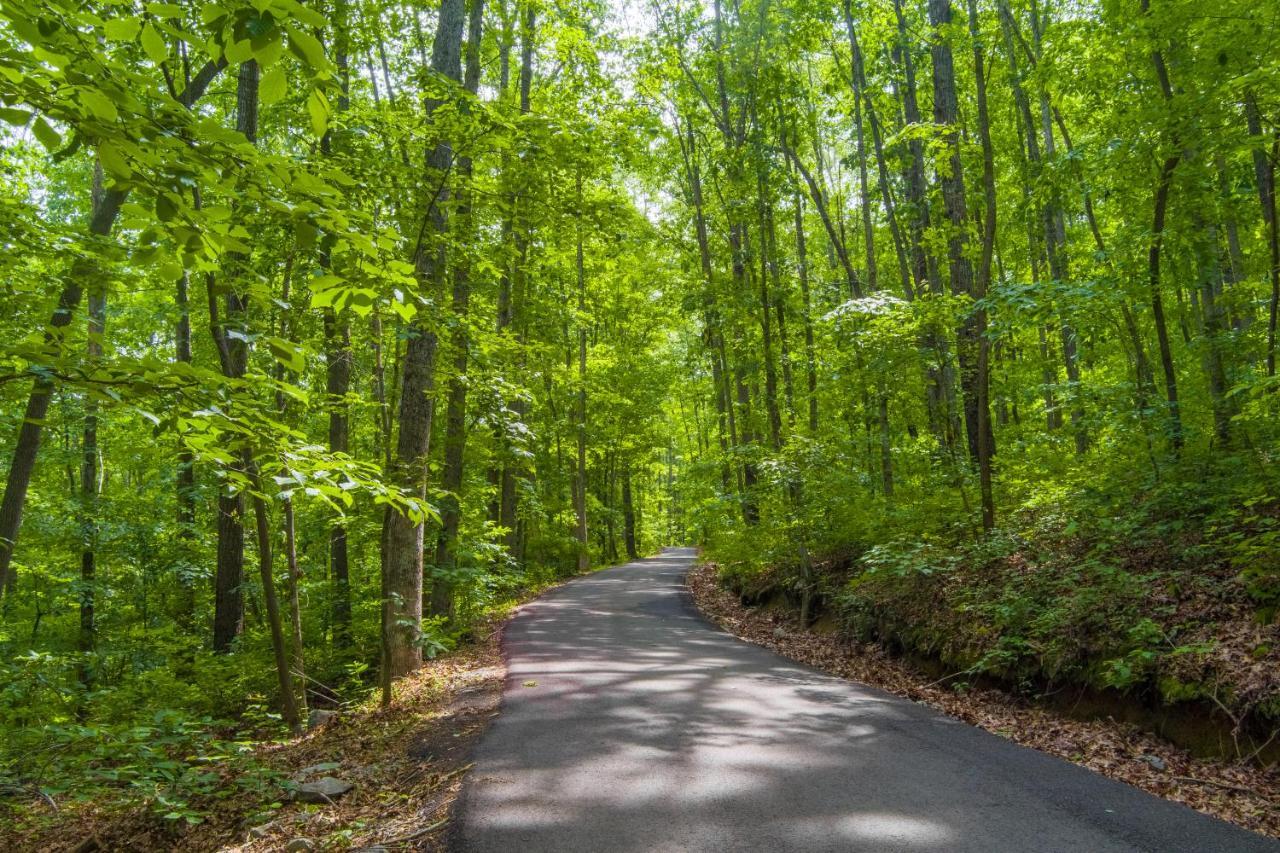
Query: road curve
point(629, 723)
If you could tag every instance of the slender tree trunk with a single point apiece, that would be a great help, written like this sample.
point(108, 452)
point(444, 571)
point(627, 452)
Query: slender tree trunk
point(89, 475)
point(403, 534)
point(864, 191)
point(802, 271)
point(628, 514)
point(580, 479)
point(921, 263)
point(986, 439)
point(1265, 172)
point(185, 485)
point(1160, 208)
point(1214, 326)
point(503, 475)
point(288, 701)
point(946, 115)
point(294, 577)
point(231, 338)
point(886, 187)
point(456, 410)
point(766, 331)
point(713, 338)
point(337, 337)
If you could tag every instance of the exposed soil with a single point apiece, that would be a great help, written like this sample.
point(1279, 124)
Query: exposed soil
point(1239, 792)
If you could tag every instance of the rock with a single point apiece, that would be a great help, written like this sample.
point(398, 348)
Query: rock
point(779, 633)
point(323, 790)
point(1156, 762)
point(257, 833)
point(304, 773)
point(319, 716)
point(299, 845)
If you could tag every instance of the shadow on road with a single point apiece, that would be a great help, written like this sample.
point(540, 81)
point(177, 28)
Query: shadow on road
point(631, 724)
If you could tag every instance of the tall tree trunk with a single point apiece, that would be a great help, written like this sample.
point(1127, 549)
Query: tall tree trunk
point(288, 701)
point(1160, 206)
point(864, 190)
point(293, 576)
point(886, 187)
point(503, 476)
point(986, 439)
point(628, 513)
point(1213, 324)
point(89, 474)
point(294, 583)
point(766, 331)
point(403, 534)
point(456, 410)
point(802, 272)
point(185, 483)
point(946, 115)
point(337, 338)
point(1053, 224)
point(580, 416)
point(713, 338)
point(1265, 172)
point(231, 337)
point(917, 198)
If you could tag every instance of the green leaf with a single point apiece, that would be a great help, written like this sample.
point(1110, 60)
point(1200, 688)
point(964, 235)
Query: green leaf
point(99, 104)
point(165, 10)
point(48, 137)
point(287, 353)
point(318, 109)
point(238, 52)
point(154, 45)
point(18, 118)
point(273, 86)
point(114, 162)
point(166, 208)
point(122, 29)
point(307, 48)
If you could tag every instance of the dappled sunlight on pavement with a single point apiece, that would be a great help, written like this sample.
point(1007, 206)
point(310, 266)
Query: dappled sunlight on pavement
point(631, 724)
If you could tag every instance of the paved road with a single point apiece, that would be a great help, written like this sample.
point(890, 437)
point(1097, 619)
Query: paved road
point(631, 724)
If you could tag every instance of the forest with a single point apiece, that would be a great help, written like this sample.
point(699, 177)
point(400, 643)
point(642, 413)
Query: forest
point(333, 330)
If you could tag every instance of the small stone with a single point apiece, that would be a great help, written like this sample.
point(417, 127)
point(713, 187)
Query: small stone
point(305, 772)
point(323, 790)
point(1156, 762)
point(299, 845)
point(779, 633)
point(259, 832)
point(319, 716)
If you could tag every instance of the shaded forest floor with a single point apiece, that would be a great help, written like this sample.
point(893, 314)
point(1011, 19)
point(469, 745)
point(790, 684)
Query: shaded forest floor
point(1235, 791)
point(406, 763)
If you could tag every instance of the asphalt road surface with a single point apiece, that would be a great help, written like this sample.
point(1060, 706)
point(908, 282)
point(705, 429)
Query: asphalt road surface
point(629, 723)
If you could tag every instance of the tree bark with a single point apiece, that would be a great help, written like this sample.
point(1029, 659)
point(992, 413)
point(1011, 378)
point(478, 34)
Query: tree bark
point(1265, 172)
point(455, 439)
point(946, 115)
point(403, 534)
point(580, 477)
point(986, 439)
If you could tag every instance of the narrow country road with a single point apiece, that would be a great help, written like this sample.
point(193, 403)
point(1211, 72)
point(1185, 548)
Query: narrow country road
point(631, 724)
